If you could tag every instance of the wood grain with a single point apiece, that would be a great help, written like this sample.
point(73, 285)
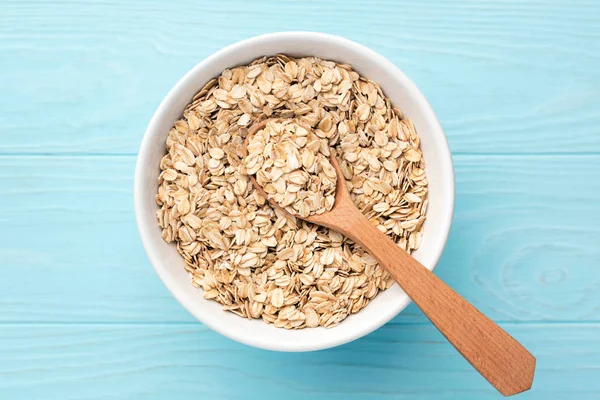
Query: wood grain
point(188, 361)
point(517, 226)
point(503, 76)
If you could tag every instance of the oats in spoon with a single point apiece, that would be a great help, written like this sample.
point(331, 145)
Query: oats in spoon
point(292, 166)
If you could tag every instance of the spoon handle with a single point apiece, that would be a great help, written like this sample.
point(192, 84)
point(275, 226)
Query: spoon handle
point(503, 361)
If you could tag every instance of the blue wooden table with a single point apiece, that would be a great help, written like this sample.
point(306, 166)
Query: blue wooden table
point(516, 85)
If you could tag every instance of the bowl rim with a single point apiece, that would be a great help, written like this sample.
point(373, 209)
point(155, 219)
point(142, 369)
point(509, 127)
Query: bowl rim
point(443, 224)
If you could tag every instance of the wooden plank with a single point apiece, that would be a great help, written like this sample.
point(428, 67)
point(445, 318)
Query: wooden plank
point(503, 76)
point(69, 362)
point(523, 245)
point(71, 247)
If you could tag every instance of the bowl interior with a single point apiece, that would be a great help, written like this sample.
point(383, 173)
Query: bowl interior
point(403, 94)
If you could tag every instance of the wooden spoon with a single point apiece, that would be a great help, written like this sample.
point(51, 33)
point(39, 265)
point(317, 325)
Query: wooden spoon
point(503, 361)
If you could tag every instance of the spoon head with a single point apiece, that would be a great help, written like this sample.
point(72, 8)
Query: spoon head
point(342, 197)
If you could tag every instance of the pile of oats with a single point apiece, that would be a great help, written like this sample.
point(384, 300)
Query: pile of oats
point(252, 258)
point(292, 167)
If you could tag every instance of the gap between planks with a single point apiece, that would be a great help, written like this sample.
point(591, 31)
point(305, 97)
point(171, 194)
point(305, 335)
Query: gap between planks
point(454, 154)
point(532, 323)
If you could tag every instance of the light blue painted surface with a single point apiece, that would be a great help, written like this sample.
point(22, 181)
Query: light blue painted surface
point(516, 85)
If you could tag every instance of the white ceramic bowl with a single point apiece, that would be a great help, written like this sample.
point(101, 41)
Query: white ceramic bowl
point(403, 94)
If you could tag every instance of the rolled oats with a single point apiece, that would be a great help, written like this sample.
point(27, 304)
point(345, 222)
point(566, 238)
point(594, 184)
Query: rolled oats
point(256, 260)
point(292, 166)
